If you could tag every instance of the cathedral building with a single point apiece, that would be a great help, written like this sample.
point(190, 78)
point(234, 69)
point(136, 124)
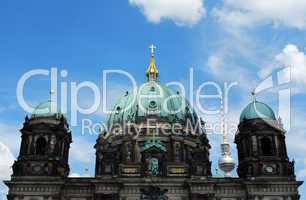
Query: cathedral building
point(152, 149)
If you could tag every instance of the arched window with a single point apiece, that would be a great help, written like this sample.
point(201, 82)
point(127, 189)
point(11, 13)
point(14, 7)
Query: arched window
point(41, 146)
point(177, 151)
point(266, 146)
point(129, 152)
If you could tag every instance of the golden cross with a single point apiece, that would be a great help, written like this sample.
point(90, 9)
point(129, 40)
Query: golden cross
point(152, 47)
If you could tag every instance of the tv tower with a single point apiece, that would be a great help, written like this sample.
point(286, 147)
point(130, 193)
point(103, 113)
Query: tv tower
point(226, 162)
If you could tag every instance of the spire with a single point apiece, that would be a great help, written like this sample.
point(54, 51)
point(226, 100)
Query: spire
point(226, 162)
point(52, 102)
point(152, 47)
point(223, 129)
point(152, 72)
point(253, 93)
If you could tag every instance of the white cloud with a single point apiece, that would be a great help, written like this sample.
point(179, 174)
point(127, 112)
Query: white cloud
point(296, 140)
point(6, 161)
point(6, 156)
point(214, 63)
point(295, 137)
point(10, 136)
point(3, 191)
point(223, 67)
point(182, 12)
point(235, 57)
point(246, 13)
point(292, 57)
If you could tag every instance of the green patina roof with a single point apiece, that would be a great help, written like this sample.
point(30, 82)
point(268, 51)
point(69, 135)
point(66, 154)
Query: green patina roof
point(151, 97)
point(43, 110)
point(154, 143)
point(257, 109)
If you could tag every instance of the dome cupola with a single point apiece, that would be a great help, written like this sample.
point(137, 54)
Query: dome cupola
point(257, 109)
point(153, 131)
point(152, 99)
point(46, 108)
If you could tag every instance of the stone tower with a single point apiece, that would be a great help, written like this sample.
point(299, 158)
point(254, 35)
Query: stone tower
point(45, 144)
point(261, 144)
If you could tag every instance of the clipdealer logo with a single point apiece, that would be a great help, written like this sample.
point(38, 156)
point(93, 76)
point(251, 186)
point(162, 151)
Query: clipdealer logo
point(59, 86)
point(280, 82)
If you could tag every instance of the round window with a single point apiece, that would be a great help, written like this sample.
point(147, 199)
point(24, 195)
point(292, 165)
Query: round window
point(118, 109)
point(152, 104)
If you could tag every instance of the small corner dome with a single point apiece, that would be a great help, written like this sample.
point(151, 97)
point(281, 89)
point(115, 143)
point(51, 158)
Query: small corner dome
point(44, 109)
point(255, 110)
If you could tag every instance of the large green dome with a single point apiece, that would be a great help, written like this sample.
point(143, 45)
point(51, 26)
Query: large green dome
point(257, 109)
point(149, 99)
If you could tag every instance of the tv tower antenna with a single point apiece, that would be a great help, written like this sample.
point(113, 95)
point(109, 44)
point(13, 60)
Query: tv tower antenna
point(226, 162)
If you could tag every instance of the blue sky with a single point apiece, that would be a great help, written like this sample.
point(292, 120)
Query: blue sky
point(236, 40)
